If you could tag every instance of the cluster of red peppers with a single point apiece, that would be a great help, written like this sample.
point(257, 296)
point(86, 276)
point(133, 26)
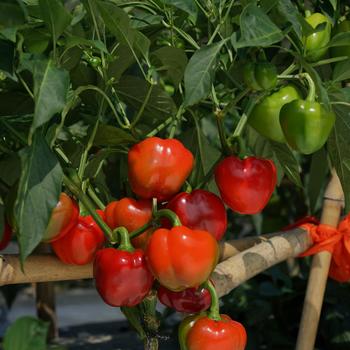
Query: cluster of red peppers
point(162, 233)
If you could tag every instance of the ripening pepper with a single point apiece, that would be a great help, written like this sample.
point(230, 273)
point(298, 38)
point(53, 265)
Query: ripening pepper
point(264, 117)
point(158, 167)
point(191, 300)
point(246, 185)
point(6, 236)
point(316, 43)
point(200, 210)
point(260, 75)
point(80, 244)
point(122, 277)
point(306, 124)
point(181, 258)
point(132, 214)
point(64, 216)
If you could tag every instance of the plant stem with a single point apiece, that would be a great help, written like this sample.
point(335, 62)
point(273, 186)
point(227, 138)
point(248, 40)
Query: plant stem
point(214, 311)
point(312, 89)
point(141, 229)
point(77, 191)
point(160, 127)
point(176, 121)
point(124, 239)
point(142, 108)
point(169, 214)
point(93, 195)
point(219, 121)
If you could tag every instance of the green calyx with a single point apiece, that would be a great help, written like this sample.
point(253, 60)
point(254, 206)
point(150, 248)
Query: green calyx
point(124, 239)
point(264, 117)
point(260, 76)
point(169, 214)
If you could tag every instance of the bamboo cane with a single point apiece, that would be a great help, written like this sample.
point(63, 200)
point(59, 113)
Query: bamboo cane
point(333, 202)
point(47, 268)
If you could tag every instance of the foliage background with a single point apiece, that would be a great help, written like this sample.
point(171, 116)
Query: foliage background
point(81, 81)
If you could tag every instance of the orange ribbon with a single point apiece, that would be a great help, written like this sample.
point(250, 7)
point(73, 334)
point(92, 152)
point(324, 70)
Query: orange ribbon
point(334, 240)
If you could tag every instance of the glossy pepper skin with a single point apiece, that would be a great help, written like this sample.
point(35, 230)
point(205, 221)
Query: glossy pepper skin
point(181, 258)
point(122, 277)
point(338, 51)
point(6, 236)
point(191, 300)
point(132, 214)
point(200, 210)
point(306, 125)
point(260, 76)
point(315, 43)
point(264, 117)
point(158, 167)
point(208, 334)
point(64, 216)
point(80, 244)
point(246, 185)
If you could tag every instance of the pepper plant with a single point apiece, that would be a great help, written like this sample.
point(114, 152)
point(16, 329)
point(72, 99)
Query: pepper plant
point(93, 91)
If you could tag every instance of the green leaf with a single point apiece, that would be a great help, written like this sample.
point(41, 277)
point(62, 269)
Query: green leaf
point(38, 192)
point(318, 173)
point(108, 135)
point(200, 71)
point(26, 333)
point(133, 315)
point(339, 149)
point(173, 61)
point(334, 4)
point(118, 22)
point(257, 29)
point(133, 91)
point(340, 39)
point(72, 41)
point(11, 14)
point(2, 221)
point(341, 71)
point(188, 6)
point(288, 162)
point(55, 16)
point(7, 54)
point(50, 91)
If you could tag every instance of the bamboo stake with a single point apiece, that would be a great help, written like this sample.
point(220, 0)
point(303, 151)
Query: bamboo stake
point(239, 268)
point(283, 245)
point(333, 202)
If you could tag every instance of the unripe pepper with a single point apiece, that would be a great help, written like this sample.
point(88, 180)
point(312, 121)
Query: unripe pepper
point(200, 210)
point(246, 185)
point(121, 275)
point(306, 124)
point(260, 75)
point(80, 244)
point(191, 300)
point(212, 331)
point(264, 117)
point(158, 167)
point(64, 216)
point(181, 258)
point(132, 214)
point(338, 51)
point(316, 43)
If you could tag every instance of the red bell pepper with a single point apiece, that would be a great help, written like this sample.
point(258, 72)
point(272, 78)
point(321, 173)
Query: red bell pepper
point(211, 331)
point(132, 214)
point(191, 300)
point(246, 185)
point(200, 210)
point(6, 236)
point(158, 168)
point(64, 217)
point(121, 275)
point(181, 258)
point(80, 244)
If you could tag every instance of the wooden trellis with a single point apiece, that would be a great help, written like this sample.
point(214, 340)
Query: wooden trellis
point(240, 260)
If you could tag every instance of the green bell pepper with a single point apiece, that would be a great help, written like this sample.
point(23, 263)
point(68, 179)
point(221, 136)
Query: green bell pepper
point(260, 76)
